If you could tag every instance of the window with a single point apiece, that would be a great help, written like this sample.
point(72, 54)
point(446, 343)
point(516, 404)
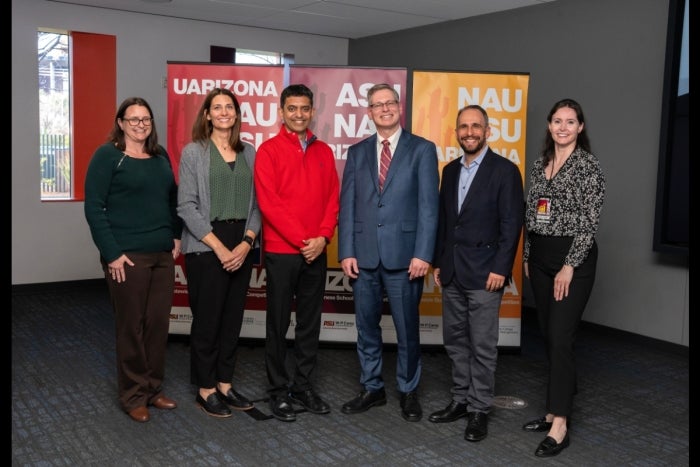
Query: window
point(75, 114)
point(253, 57)
point(672, 218)
point(54, 115)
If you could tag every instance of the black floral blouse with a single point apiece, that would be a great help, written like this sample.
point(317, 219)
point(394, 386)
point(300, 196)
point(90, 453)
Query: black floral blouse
point(567, 205)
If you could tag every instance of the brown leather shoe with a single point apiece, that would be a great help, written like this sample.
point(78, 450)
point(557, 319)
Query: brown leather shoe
point(140, 414)
point(163, 403)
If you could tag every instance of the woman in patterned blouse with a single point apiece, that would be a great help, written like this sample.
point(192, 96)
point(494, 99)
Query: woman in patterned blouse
point(567, 188)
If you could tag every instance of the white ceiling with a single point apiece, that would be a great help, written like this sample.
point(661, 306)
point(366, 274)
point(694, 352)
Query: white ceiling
point(348, 19)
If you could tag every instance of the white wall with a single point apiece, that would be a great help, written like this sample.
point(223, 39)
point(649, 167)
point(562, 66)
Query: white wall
point(51, 241)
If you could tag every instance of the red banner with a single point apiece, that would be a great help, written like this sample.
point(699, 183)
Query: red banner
point(258, 91)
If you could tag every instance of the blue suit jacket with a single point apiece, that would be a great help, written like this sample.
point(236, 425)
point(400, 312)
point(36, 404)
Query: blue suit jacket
point(483, 236)
point(398, 223)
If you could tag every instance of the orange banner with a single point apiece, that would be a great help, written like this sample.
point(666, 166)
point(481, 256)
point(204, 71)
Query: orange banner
point(437, 96)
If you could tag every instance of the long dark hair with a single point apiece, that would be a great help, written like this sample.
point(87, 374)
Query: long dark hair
point(202, 127)
point(116, 136)
point(582, 138)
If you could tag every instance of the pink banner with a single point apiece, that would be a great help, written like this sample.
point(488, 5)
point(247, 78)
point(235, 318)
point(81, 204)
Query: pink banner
point(341, 120)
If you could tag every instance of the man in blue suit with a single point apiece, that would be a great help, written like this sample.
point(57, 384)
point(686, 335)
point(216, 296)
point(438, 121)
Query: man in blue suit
point(479, 227)
point(386, 239)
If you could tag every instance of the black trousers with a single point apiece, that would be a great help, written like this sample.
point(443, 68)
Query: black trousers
point(217, 300)
point(142, 306)
point(559, 320)
point(293, 285)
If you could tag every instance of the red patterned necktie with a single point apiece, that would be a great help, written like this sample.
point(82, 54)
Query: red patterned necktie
point(384, 163)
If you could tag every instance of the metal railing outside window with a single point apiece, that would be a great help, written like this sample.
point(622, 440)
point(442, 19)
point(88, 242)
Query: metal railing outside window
point(55, 166)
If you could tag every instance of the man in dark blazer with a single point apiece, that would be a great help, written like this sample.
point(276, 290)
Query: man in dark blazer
point(386, 241)
point(479, 227)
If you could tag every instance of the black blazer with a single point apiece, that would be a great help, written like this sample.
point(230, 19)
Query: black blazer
point(483, 236)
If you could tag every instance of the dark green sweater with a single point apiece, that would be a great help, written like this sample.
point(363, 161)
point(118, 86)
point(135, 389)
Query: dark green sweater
point(130, 204)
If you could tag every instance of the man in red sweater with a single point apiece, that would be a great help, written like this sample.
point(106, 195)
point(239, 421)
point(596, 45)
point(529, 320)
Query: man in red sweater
point(297, 187)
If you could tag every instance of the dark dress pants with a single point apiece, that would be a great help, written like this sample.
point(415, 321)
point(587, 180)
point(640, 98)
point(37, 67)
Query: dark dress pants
point(293, 285)
point(559, 320)
point(217, 300)
point(404, 297)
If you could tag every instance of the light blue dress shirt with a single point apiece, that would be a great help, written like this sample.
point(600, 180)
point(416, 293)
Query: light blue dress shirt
point(466, 175)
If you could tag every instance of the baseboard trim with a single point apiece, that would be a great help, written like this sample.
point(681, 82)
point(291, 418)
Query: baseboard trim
point(64, 285)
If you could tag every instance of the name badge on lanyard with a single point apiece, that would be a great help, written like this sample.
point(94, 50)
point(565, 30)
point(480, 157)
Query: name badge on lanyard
point(544, 210)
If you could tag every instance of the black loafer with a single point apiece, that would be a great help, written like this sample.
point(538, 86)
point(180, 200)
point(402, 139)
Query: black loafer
point(282, 408)
point(477, 426)
point(549, 446)
point(213, 405)
point(541, 424)
point(452, 412)
point(236, 400)
point(364, 401)
point(310, 401)
point(410, 407)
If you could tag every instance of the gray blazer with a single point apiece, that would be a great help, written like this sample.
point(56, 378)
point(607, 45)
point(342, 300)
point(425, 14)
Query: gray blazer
point(194, 197)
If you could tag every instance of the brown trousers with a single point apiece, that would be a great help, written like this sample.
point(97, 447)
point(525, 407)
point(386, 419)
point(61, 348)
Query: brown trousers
point(142, 318)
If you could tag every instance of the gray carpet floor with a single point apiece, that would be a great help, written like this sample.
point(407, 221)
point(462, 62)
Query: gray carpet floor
point(632, 407)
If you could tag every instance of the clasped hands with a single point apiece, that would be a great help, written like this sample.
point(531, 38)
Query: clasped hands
point(312, 249)
point(233, 259)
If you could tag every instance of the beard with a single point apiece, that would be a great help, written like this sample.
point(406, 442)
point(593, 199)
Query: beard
point(479, 146)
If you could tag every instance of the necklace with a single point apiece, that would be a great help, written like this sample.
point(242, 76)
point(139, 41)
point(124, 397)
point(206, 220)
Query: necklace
point(221, 146)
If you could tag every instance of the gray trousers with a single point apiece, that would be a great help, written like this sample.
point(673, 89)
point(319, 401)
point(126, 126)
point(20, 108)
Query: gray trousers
point(470, 335)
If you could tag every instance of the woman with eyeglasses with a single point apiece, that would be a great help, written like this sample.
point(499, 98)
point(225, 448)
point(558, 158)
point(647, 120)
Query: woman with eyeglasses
point(130, 207)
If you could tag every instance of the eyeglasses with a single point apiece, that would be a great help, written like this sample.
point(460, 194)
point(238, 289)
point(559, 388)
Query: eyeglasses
point(135, 121)
point(381, 105)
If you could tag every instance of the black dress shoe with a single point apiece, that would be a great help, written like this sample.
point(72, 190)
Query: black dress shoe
point(213, 405)
point(541, 424)
point(364, 400)
point(452, 412)
point(410, 407)
point(282, 408)
point(310, 401)
point(549, 446)
point(477, 426)
point(236, 400)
